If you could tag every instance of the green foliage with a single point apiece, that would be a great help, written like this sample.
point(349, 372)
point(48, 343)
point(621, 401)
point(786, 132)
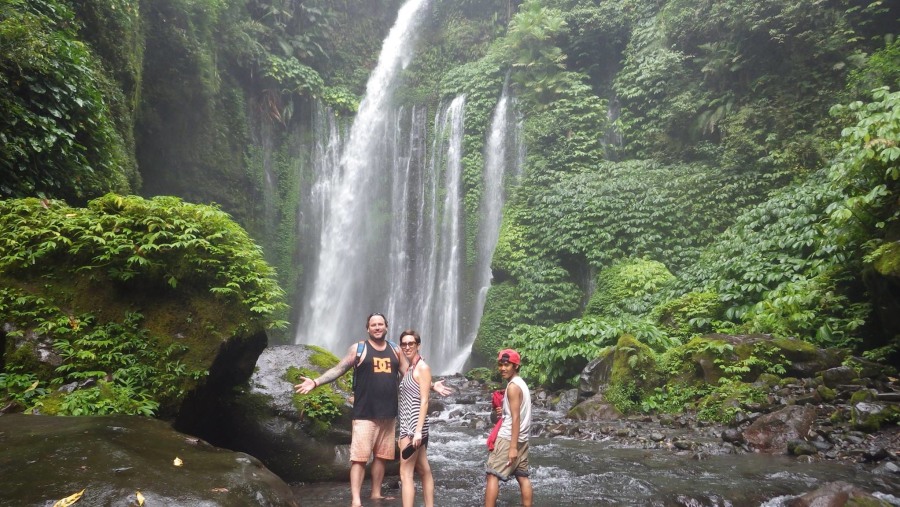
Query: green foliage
point(291, 78)
point(867, 167)
point(105, 398)
point(563, 132)
point(689, 314)
point(763, 358)
point(114, 367)
point(502, 313)
point(791, 265)
point(631, 209)
point(57, 136)
point(529, 49)
point(555, 355)
point(293, 29)
point(881, 69)
point(729, 398)
point(485, 375)
point(628, 287)
point(340, 99)
point(159, 242)
point(322, 406)
point(543, 291)
point(22, 389)
point(673, 399)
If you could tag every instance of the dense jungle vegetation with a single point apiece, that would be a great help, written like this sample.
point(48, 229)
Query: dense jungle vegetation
point(692, 166)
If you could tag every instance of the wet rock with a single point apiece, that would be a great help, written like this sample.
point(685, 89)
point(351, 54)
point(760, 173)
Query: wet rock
point(46, 458)
point(263, 421)
point(870, 416)
point(892, 396)
point(595, 408)
point(878, 454)
point(595, 376)
point(836, 494)
point(684, 445)
point(566, 400)
point(732, 435)
point(840, 375)
point(771, 432)
point(799, 447)
point(887, 468)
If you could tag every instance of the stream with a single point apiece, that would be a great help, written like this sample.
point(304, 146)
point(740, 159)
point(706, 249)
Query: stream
point(571, 472)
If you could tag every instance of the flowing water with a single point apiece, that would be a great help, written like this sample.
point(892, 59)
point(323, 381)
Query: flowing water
point(567, 472)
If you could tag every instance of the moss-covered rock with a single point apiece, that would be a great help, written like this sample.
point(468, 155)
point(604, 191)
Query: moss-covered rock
point(633, 373)
point(871, 416)
point(138, 303)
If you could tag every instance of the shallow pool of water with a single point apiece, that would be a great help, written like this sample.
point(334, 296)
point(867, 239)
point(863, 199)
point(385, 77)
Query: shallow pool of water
point(568, 472)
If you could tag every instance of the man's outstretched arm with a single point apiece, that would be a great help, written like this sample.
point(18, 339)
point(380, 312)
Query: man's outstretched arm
point(308, 384)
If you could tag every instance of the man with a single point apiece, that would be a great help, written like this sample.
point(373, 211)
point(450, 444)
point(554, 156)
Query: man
point(510, 455)
point(378, 371)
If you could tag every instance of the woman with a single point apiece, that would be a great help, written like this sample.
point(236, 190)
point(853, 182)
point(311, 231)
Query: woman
point(413, 422)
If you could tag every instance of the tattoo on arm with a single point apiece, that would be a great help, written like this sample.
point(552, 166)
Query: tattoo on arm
point(336, 372)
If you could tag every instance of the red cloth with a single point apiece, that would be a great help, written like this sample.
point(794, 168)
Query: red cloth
point(497, 399)
point(496, 402)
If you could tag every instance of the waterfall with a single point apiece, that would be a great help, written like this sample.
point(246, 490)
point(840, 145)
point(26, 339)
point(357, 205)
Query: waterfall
point(383, 225)
point(440, 295)
point(351, 227)
point(503, 153)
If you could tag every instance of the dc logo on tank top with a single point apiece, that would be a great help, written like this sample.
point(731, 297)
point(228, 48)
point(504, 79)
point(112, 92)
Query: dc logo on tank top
point(382, 364)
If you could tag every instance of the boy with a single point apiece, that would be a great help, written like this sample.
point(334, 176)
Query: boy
point(510, 455)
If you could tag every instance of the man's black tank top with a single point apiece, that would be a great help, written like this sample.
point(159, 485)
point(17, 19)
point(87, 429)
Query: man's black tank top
point(376, 384)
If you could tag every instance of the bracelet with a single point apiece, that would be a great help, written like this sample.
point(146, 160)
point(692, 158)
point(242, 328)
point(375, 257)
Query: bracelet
point(315, 384)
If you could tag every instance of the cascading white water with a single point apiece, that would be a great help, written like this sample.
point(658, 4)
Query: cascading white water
point(383, 226)
point(502, 153)
point(348, 281)
point(441, 312)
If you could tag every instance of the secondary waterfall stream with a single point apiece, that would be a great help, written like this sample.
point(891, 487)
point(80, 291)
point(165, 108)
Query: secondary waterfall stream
point(383, 222)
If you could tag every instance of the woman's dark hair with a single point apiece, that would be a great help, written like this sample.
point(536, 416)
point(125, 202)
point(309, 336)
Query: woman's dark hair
point(410, 332)
point(369, 318)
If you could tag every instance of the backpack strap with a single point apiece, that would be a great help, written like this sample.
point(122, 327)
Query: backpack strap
point(395, 348)
point(360, 347)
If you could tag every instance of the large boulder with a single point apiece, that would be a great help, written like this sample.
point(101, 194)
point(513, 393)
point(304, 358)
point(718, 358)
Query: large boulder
point(135, 306)
point(265, 418)
point(594, 409)
point(112, 459)
point(771, 432)
point(595, 376)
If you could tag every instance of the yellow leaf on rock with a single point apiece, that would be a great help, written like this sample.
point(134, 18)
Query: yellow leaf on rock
point(69, 500)
point(140, 498)
point(178, 462)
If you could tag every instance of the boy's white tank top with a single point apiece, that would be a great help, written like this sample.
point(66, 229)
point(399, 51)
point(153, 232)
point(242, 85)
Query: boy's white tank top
point(524, 420)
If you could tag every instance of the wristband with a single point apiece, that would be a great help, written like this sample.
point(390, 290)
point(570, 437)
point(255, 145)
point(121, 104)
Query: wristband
point(315, 384)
